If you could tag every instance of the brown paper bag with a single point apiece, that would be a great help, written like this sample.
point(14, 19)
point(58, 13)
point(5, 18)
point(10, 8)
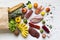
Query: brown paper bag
point(4, 19)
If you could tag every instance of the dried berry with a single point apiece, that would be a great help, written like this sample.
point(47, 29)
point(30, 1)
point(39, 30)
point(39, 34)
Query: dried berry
point(33, 32)
point(45, 29)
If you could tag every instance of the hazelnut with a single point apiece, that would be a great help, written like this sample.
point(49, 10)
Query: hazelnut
point(43, 35)
point(47, 9)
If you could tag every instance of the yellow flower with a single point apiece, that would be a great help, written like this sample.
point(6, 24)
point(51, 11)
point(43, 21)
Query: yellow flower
point(18, 19)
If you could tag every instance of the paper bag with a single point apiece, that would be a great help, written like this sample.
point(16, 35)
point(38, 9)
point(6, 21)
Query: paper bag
point(4, 19)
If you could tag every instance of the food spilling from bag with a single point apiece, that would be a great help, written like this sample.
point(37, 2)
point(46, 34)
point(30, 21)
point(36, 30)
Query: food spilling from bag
point(18, 20)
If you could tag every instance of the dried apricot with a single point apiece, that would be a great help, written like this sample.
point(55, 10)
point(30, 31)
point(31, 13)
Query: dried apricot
point(35, 5)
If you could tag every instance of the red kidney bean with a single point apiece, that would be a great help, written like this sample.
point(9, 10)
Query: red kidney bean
point(27, 15)
point(33, 32)
point(45, 29)
point(34, 26)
